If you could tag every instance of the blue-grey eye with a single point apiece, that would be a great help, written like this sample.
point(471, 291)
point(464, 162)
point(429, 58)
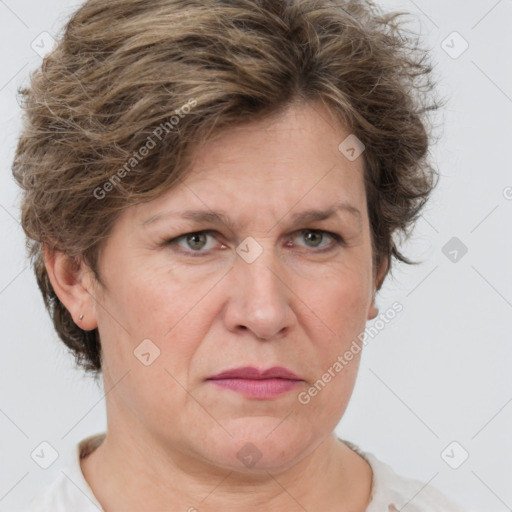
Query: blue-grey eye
point(313, 236)
point(196, 240)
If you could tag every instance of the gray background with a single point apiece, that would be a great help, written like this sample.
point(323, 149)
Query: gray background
point(439, 372)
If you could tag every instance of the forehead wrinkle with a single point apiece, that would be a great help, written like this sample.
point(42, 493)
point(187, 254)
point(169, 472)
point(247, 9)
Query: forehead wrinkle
point(220, 217)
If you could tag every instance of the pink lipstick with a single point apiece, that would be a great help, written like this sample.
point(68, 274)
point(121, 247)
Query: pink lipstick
point(258, 384)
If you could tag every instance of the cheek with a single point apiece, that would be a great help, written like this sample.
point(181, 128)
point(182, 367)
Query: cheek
point(140, 299)
point(162, 307)
point(341, 304)
point(342, 300)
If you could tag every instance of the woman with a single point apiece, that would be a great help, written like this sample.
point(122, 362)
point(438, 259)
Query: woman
point(211, 192)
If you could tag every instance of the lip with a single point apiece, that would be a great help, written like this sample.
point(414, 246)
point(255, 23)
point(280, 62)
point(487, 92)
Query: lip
point(250, 372)
point(255, 383)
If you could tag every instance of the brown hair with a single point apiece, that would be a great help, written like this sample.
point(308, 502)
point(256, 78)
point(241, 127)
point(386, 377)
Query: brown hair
point(167, 75)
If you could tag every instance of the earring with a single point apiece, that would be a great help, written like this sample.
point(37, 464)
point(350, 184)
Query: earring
point(80, 317)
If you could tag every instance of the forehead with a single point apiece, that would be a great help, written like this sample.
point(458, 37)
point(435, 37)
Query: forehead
point(288, 162)
point(304, 132)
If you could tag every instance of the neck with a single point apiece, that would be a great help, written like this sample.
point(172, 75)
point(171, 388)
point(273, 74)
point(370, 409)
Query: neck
point(127, 473)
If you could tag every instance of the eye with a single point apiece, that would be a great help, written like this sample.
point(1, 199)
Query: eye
point(197, 243)
point(314, 238)
point(193, 242)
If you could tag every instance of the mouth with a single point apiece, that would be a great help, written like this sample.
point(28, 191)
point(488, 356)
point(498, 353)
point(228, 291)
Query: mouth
point(258, 384)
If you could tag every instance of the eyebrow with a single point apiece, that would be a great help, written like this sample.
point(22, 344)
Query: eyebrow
point(220, 217)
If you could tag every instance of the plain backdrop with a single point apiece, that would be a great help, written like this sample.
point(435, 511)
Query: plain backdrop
point(437, 376)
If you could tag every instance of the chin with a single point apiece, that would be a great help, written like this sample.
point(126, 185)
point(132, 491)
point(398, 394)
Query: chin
point(263, 444)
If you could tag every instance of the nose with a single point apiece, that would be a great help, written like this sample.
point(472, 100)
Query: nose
point(259, 298)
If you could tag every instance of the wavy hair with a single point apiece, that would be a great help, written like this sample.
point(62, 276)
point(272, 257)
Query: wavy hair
point(115, 111)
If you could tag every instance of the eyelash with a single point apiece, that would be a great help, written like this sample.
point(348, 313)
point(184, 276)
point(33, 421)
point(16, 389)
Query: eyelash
point(338, 241)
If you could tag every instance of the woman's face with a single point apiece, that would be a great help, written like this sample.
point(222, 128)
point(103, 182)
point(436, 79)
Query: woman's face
point(273, 288)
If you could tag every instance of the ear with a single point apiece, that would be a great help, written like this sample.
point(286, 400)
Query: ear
point(72, 281)
point(380, 275)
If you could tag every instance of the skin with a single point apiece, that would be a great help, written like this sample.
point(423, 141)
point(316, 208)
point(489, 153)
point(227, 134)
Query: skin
point(173, 437)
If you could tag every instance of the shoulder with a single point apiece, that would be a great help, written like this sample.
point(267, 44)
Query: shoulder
point(391, 491)
point(54, 497)
point(69, 490)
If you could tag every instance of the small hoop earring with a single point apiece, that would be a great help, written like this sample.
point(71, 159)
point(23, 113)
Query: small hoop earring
point(80, 317)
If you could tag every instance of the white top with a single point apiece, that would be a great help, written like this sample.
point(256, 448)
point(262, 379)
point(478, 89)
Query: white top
point(390, 491)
